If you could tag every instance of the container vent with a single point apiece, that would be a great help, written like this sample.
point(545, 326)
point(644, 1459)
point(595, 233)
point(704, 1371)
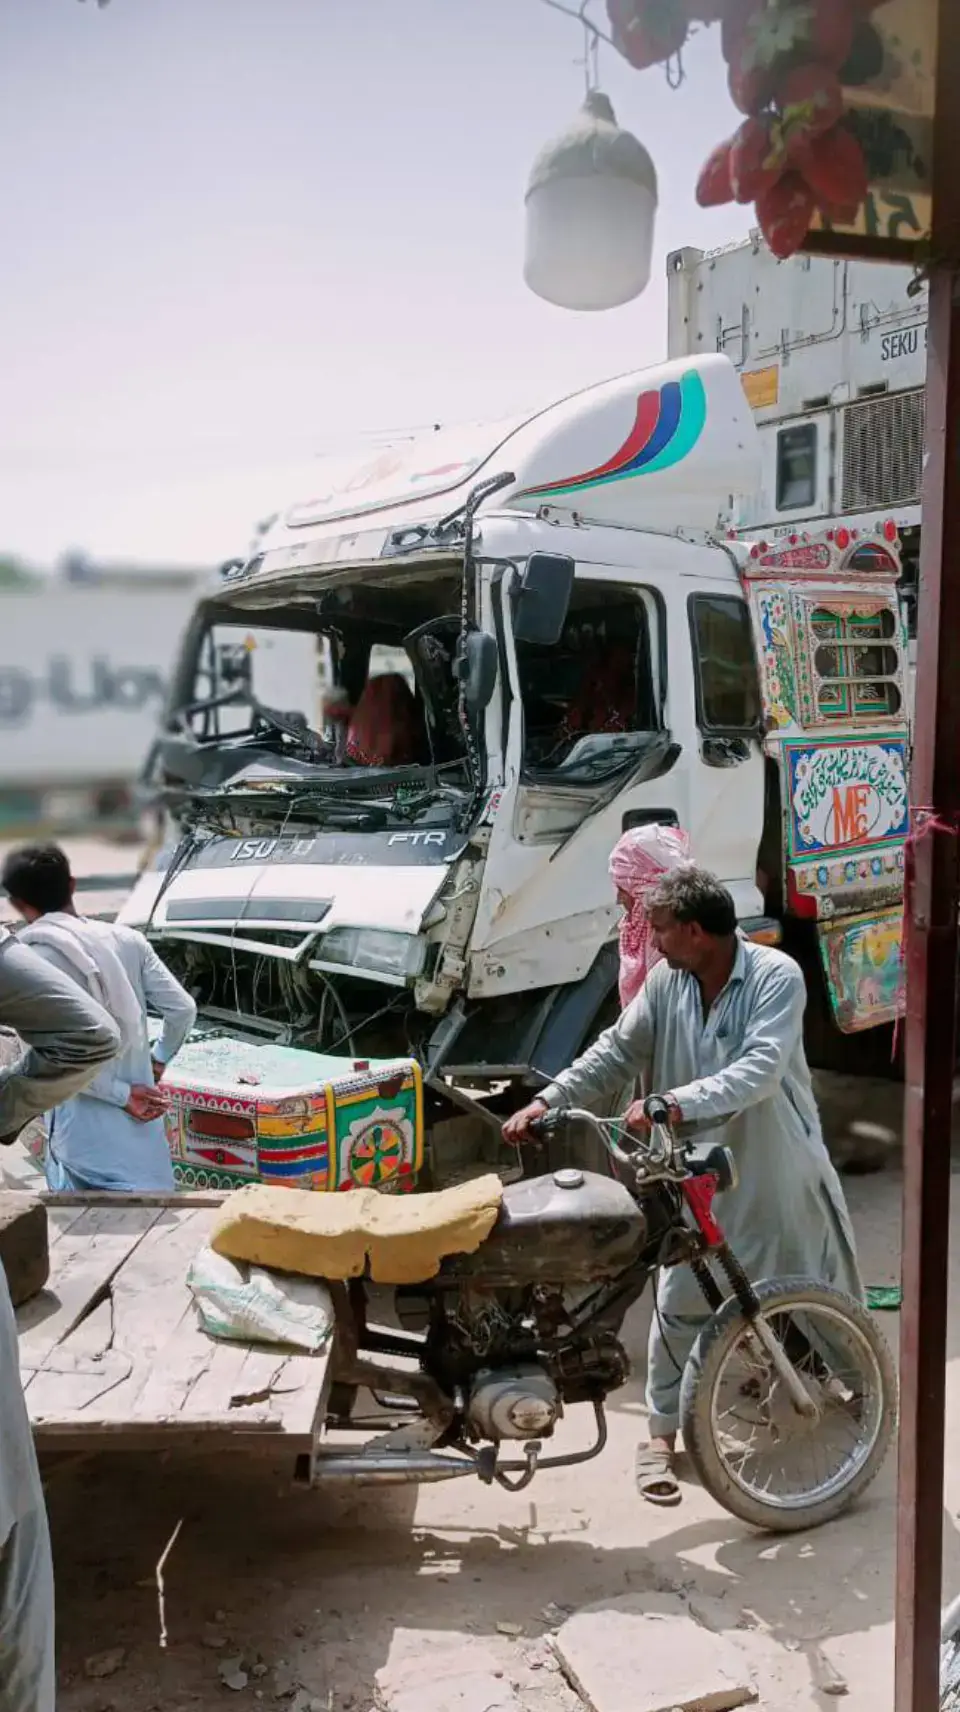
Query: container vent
point(883, 451)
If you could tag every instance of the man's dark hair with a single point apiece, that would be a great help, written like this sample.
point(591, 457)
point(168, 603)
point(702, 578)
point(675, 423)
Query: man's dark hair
point(38, 875)
point(691, 894)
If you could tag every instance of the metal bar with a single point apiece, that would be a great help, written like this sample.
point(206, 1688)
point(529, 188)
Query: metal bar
point(931, 909)
point(930, 915)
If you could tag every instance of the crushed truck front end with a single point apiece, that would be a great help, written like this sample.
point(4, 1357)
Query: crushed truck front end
point(398, 898)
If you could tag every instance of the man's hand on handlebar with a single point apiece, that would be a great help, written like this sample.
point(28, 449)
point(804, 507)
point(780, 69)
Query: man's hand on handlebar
point(641, 1116)
point(518, 1128)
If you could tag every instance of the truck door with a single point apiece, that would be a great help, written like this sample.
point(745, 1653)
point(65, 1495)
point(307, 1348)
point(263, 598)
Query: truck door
point(602, 734)
point(727, 787)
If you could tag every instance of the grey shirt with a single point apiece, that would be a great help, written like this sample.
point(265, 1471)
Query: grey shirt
point(740, 1076)
point(67, 1039)
point(67, 1036)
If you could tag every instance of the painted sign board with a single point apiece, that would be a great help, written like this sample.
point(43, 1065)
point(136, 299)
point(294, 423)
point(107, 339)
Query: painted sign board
point(845, 795)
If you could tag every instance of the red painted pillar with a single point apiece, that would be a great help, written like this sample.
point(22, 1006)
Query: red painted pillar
point(930, 1030)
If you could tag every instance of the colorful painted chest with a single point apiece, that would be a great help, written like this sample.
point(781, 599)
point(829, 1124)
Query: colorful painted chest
point(243, 1113)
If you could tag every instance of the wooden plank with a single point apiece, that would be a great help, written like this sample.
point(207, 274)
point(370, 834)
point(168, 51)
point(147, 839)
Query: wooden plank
point(138, 1359)
point(80, 1373)
point(89, 1198)
point(85, 1260)
point(166, 1395)
point(267, 1387)
point(104, 1362)
point(60, 1220)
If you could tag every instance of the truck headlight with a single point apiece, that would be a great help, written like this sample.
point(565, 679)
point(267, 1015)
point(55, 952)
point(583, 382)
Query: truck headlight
point(393, 956)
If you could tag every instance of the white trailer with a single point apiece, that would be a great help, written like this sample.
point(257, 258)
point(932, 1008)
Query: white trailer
point(84, 678)
point(832, 357)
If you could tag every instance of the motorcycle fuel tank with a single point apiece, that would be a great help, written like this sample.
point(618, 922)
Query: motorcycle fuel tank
point(574, 1227)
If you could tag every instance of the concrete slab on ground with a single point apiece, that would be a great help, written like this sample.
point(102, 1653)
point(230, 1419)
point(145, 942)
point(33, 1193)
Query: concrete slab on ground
point(646, 1653)
point(425, 1677)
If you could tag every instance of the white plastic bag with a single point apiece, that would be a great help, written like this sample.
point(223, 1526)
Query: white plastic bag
point(247, 1304)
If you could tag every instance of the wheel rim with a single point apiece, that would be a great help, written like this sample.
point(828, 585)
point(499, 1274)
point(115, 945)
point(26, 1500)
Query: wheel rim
point(776, 1456)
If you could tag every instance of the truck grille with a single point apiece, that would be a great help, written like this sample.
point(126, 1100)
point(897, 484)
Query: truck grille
point(882, 451)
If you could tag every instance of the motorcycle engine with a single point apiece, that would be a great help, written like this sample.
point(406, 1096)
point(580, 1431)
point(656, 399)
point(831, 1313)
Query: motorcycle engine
point(513, 1403)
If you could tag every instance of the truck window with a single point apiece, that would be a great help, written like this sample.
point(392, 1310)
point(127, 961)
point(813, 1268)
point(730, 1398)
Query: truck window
point(281, 668)
point(797, 467)
point(856, 663)
point(725, 668)
point(586, 699)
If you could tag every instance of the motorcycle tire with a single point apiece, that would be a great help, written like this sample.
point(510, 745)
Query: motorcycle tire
point(701, 1377)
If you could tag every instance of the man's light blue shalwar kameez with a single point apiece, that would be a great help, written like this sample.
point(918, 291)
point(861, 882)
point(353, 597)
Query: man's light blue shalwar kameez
point(740, 1076)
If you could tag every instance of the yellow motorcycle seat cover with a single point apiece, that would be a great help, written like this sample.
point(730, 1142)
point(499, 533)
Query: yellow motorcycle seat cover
point(403, 1238)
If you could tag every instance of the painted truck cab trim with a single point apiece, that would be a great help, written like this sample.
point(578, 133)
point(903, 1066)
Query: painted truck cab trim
point(833, 671)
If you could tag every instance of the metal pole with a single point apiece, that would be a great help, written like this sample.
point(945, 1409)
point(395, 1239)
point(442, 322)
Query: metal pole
point(931, 917)
point(931, 911)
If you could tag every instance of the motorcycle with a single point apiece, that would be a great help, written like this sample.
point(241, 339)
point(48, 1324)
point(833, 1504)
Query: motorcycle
point(788, 1401)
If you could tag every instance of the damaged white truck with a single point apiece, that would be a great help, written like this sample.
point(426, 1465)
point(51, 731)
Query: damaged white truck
point(395, 912)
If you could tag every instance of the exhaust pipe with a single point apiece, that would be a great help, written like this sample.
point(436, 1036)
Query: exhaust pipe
point(399, 1468)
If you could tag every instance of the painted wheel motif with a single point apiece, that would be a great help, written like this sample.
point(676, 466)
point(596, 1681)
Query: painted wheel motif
point(376, 1156)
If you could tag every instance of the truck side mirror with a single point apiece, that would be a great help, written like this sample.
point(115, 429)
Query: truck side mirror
point(475, 667)
point(543, 599)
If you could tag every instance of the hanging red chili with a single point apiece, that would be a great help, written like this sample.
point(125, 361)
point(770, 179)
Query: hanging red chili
point(647, 32)
point(785, 212)
point(757, 159)
point(835, 168)
point(715, 183)
point(762, 40)
point(809, 100)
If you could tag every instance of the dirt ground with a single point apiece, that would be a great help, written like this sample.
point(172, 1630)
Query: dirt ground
point(325, 1589)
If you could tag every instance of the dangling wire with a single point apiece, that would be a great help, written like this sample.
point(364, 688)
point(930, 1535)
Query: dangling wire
point(591, 53)
point(580, 13)
point(673, 67)
point(674, 71)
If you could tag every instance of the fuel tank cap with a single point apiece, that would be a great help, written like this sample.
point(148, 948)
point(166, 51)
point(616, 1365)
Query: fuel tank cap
point(569, 1178)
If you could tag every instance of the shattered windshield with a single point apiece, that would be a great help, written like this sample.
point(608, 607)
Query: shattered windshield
point(358, 683)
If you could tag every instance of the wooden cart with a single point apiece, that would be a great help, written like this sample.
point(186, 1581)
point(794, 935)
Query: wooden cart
point(112, 1352)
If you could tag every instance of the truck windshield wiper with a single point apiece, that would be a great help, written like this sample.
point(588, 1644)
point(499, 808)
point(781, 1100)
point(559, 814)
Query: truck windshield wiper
point(293, 726)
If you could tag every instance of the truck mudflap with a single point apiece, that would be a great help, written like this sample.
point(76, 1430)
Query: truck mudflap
point(863, 965)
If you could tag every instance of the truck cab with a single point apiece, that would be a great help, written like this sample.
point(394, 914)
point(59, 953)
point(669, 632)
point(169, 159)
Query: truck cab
point(528, 639)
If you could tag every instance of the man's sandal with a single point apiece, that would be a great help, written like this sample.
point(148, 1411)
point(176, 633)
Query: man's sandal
point(656, 1480)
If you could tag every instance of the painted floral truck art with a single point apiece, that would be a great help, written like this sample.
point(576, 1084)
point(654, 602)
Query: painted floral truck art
point(831, 650)
point(241, 1113)
point(864, 968)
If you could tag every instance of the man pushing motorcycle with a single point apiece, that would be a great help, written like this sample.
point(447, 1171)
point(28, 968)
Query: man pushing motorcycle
point(717, 1030)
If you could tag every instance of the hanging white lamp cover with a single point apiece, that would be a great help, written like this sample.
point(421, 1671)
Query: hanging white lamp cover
point(591, 212)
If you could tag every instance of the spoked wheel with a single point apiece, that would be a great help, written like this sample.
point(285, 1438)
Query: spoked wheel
point(756, 1453)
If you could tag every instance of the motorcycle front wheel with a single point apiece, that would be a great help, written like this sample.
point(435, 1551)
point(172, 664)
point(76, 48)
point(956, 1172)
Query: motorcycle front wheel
point(755, 1452)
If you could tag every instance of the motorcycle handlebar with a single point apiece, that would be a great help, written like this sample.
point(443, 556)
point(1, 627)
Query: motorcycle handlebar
point(656, 1109)
point(659, 1148)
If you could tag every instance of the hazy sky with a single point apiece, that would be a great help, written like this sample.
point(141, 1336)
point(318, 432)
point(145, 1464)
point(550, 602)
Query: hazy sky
point(236, 233)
